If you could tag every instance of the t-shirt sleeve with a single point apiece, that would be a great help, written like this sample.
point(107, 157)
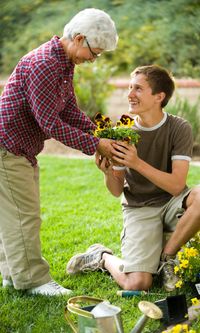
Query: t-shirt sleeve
point(183, 141)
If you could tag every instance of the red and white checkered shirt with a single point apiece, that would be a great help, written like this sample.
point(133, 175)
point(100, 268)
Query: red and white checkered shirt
point(39, 103)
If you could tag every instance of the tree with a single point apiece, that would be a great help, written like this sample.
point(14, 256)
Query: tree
point(166, 32)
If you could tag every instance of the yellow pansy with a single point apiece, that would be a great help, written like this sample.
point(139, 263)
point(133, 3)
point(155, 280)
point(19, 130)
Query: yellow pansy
point(185, 328)
point(179, 284)
point(180, 255)
point(122, 131)
point(177, 329)
point(193, 252)
point(180, 329)
point(176, 269)
point(195, 301)
point(184, 263)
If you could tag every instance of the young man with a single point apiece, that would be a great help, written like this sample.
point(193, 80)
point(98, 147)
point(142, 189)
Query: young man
point(155, 194)
point(38, 103)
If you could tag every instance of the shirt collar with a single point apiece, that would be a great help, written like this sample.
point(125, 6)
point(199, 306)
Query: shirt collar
point(147, 129)
point(61, 56)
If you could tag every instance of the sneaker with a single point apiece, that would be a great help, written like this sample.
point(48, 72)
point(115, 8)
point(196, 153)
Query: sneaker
point(91, 260)
point(7, 283)
point(49, 289)
point(166, 269)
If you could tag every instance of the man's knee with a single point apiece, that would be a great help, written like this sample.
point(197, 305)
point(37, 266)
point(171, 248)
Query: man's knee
point(194, 198)
point(137, 281)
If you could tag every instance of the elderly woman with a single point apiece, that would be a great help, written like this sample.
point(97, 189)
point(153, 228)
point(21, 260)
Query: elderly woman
point(38, 103)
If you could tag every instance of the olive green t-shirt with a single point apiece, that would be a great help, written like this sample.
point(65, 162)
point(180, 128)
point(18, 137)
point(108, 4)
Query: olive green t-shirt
point(169, 140)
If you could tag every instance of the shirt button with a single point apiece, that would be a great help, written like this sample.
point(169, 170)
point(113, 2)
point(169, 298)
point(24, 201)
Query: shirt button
point(65, 81)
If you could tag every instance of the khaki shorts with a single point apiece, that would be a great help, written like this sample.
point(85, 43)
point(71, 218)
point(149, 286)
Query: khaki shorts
point(142, 235)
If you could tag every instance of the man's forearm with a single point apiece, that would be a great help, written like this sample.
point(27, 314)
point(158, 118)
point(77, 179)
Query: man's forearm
point(115, 182)
point(172, 183)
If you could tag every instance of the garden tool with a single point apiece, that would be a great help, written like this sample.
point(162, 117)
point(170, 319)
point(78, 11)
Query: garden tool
point(102, 317)
point(98, 317)
point(149, 310)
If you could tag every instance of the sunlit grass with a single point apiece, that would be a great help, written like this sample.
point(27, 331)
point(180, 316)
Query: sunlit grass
point(77, 211)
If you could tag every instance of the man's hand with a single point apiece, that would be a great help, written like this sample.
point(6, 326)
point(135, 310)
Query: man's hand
point(125, 154)
point(114, 179)
point(173, 182)
point(105, 148)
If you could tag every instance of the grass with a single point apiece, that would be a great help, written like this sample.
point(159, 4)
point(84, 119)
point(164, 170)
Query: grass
point(77, 210)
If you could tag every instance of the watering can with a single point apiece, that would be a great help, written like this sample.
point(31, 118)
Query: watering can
point(102, 317)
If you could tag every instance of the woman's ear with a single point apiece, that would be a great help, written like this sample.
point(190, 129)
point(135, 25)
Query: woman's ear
point(79, 39)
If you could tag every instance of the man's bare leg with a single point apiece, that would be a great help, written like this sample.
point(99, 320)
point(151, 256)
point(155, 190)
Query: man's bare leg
point(188, 225)
point(127, 281)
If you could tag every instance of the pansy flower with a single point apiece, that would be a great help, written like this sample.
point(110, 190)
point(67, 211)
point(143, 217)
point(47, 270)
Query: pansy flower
point(122, 130)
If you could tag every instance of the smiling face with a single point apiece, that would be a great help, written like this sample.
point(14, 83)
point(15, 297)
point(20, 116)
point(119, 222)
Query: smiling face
point(140, 97)
point(78, 53)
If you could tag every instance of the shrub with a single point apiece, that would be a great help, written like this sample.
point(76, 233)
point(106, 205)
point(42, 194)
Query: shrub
point(92, 88)
point(190, 112)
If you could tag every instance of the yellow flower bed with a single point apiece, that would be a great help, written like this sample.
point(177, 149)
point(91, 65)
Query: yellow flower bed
point(188, 267)
point(180, 329)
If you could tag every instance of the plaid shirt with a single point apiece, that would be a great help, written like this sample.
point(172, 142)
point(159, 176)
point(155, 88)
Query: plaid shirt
point(38, 103)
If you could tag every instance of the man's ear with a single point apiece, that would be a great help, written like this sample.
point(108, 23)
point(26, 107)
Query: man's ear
point(79, 39)
point(160, 97)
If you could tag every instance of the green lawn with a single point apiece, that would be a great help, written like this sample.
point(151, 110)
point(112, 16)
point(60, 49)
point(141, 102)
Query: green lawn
point(77, 210)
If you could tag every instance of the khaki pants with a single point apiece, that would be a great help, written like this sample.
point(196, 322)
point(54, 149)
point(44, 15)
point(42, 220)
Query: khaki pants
point(20, 251)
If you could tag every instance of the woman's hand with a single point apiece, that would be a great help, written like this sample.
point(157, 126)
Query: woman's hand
point(105, 148)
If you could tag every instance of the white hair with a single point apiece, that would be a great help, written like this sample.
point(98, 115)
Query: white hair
point(96, 25)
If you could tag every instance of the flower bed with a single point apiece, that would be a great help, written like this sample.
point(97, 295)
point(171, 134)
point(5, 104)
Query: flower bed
point(188, 267)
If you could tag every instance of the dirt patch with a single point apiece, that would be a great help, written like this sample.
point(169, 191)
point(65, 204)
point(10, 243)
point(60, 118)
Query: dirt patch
point(53, 147)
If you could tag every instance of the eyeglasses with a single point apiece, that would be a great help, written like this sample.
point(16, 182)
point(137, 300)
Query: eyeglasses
point(95, 55)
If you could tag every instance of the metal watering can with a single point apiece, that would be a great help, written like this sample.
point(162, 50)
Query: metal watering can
point(102, 317)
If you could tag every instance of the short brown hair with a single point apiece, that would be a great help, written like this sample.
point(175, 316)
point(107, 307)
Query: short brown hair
point(159, 79)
